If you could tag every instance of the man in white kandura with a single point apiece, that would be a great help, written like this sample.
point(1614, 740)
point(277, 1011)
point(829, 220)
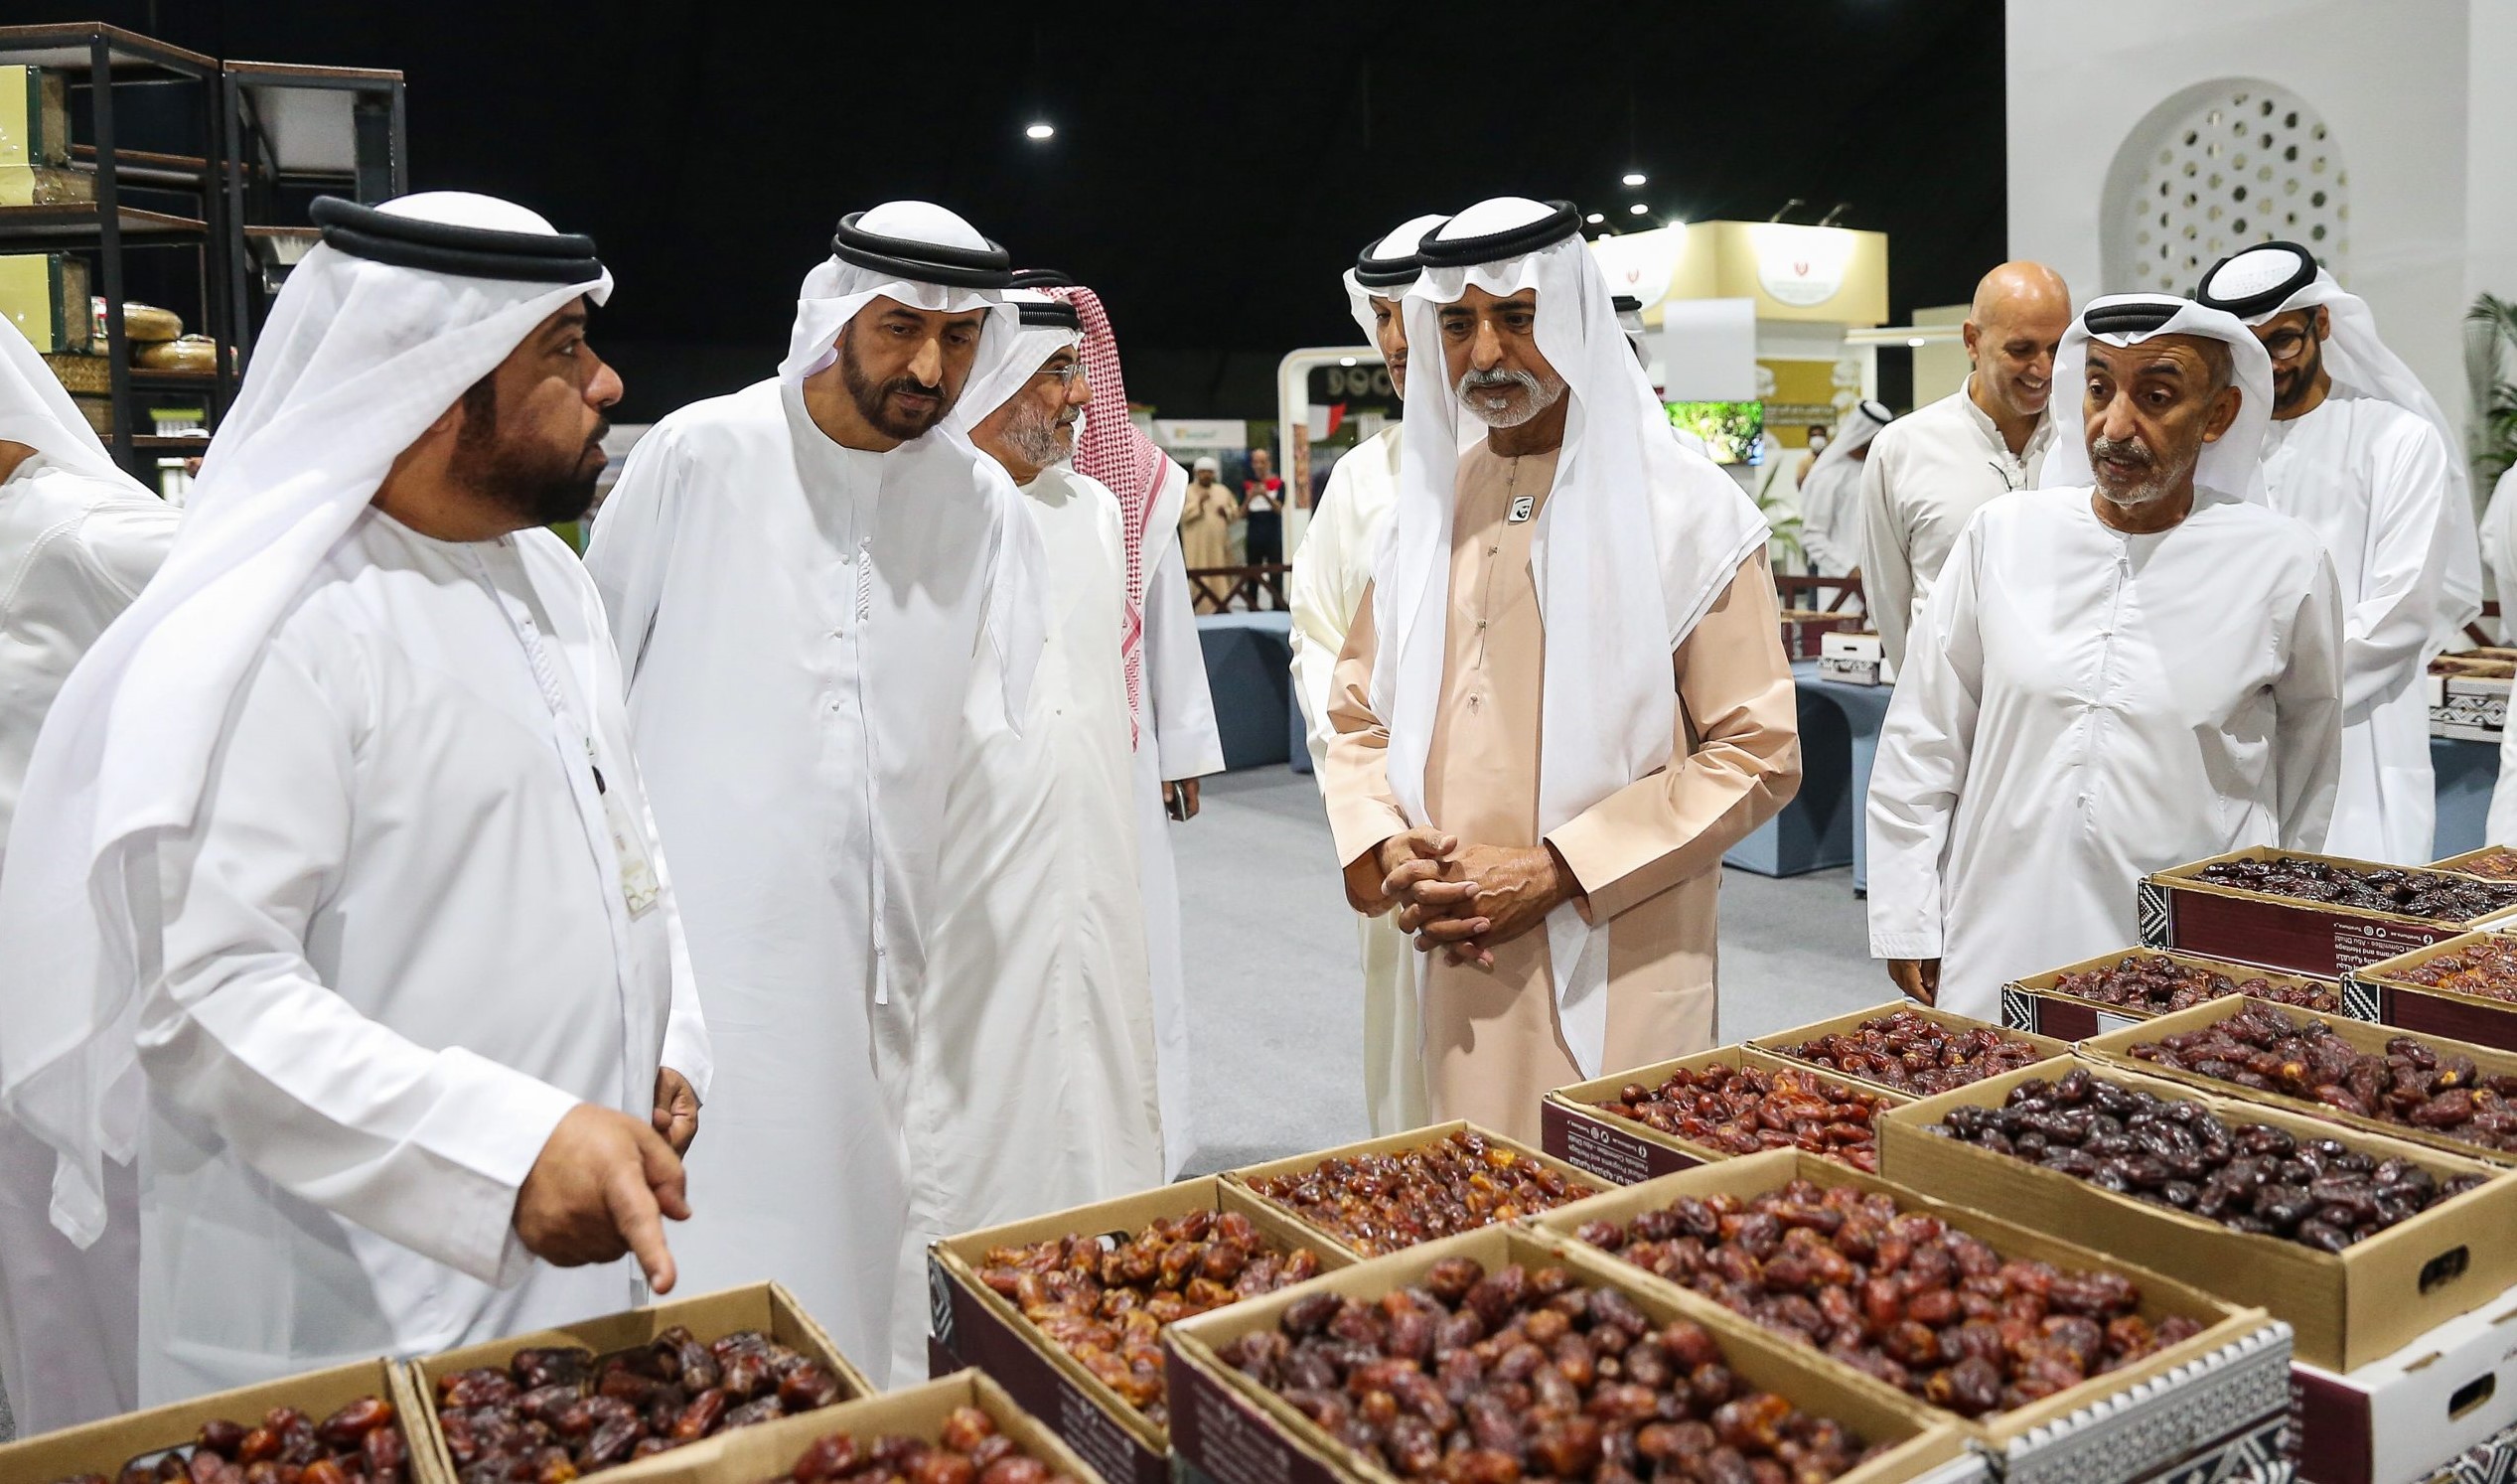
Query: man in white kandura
point(1173, 715)
point(347, 912)
point(2360, 453)
point(2132, 667)
point(78, 539)
point(1033, 1086)
point(1331, 571)
point(1564, 696)
point(804, 577)
point(1938, 465)
point(1830, 493)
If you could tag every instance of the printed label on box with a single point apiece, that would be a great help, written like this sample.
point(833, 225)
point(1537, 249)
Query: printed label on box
point(2109, 1023)
point(1233, 1446)
point(1096, 1438)
point(2357, 944)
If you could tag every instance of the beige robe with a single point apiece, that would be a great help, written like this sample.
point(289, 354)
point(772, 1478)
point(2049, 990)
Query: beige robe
point(1647, 856)
point(1206, 522)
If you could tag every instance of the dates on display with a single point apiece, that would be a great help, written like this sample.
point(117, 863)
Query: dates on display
point(558, 1412)
point(968, 1450)
point(2156, 984)
point(1378, 1204)
point(2499, 863)
point(1746, 1109)
point(2438, 896)
point(2486, 967)
point(1918, 1304)
point(1471, 1377)
point(361, 1444)
point(2414, 1083)
point(2248, 1177)
point(1915, 1054)
point(1105, 1301)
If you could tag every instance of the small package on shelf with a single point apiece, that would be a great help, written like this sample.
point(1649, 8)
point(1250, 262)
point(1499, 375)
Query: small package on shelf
point(2468, 693)
point(359, 1415)
point(2464, 988)
point(1804, 630)
point(1631, 1127)
point(45, 294)
point(1851, 658)
point(34, 115)
point(2321, 915)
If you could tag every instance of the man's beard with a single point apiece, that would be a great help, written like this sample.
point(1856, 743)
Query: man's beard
point(2155, 483)
point(2291, 387)
point(1031, 435)
point(873, 399)
point(1479, 392)
point(537, 485)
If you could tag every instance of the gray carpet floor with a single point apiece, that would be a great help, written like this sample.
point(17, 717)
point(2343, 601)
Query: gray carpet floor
point(1274, 1029)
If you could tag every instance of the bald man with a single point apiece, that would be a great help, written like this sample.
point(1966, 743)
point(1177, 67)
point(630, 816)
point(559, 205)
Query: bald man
point(1928, 473)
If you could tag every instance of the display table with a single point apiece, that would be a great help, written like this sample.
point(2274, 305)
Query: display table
point(1249, 672)
point(1822, 827)
point(2467, 771)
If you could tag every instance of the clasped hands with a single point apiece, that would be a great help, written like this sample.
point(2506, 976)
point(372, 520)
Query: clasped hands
point(1460, 900)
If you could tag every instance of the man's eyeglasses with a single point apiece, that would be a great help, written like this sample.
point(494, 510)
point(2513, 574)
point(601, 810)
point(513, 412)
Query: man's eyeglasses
point(1065, 374)
point(2285, 345)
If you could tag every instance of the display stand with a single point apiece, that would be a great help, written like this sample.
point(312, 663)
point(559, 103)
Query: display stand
point(288, 134)
point(182, 213)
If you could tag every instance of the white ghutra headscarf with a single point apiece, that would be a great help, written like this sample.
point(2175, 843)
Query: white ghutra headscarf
point(1615, 604)
point(2233, 465)
point(362, 353)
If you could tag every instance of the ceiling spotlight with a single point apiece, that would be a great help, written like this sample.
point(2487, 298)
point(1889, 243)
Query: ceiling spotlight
point(1634, 178)
point(1594, 218)
point(1637, 210)
point(1345, 361)
point(1040, 131)
point(1917, 342)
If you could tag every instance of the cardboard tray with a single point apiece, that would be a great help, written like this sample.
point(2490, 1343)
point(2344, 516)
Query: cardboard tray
point(2458, 863)
point(1247, 1179)
point(1624, 1151)
point(2032, 1003)
point(104, 1447)
point(2312, 937)
point(2393, 1421)
point(767, 1307)
point(1779, 1043)
point(2116, 1048)
point(750, 1456)
point(1238, 1433)
point(2230, 1380)
point(2476, 1019)
point(2346, 1308)
point(977, 1326)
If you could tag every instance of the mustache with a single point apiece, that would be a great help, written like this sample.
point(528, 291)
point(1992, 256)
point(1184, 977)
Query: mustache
point(2122, 450)
point(911, 386)
point(1489, 381)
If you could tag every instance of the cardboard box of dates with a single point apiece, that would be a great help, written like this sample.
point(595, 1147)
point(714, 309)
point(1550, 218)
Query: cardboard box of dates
point(103, 1448)
point(2473, 997)
point(1845, 1032)
point(1233, 1429)
point(927, 1413)
point(1579, 1125)
point(2439, 1407)
point(2346, 1308)
point(2044, 1003)
point(977, 1325)
point(1539, 1180)
point(2439, 1101)
point(2221, 1390)
point(764, 1308)
point(2200, 908)
point(2491, 863)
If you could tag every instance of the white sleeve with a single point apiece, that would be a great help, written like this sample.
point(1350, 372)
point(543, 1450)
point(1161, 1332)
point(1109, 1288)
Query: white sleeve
point(1925, 746)
point(2502, 826)
point(1182, 708)
point(1322, 609)
point(629, 551)
point(2386, 633)
point(2499, 549)
point(1887, 568)
point(2307, 713)
point(427, 1148)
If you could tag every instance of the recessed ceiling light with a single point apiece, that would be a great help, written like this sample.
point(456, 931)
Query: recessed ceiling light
point(1917, 342)
point(1345, 361)
point(1634, 177)
point(1594, 218)
point(1637, 210)
point(1040, 131)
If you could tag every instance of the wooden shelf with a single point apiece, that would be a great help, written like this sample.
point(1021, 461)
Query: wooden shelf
point(70, 48)
point(84, 223)
point(146, 168)
point(162, 443)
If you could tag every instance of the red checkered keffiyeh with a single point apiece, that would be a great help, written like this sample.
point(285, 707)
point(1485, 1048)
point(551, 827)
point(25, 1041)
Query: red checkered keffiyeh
point(1114, 451)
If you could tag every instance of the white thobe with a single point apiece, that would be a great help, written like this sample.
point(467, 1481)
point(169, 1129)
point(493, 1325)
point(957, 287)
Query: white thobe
point(1033, 1086)
point(399, 943)
point(2082, 707)
point(2373, 480)
point(1330, 574)
point(800, 622)
point(2499, 551)
point(74, 550)
point(1831, 516)
point(1928, 473)
point(1178, 740)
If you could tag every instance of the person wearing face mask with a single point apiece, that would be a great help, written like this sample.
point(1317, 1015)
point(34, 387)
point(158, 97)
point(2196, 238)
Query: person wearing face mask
point(1940, 464)
point(2135, 665)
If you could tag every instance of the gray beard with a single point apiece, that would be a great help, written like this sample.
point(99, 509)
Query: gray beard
point(1543, 394)
point(2160, 483)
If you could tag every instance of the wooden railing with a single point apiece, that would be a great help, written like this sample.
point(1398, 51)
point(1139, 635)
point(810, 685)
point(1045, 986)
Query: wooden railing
point(1223, 589)
point(1790, 587)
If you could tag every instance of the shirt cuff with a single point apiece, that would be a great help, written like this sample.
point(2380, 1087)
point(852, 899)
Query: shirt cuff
point(492, 1133)
point(1591, 858)
point(686, 1051)
point(1359, 827)
point(1924, 943)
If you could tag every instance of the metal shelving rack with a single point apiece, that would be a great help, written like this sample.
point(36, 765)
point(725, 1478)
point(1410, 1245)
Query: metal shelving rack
point(286, 132)
point(102, 60)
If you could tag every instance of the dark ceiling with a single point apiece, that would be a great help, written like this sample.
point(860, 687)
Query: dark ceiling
point(1214, 167)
